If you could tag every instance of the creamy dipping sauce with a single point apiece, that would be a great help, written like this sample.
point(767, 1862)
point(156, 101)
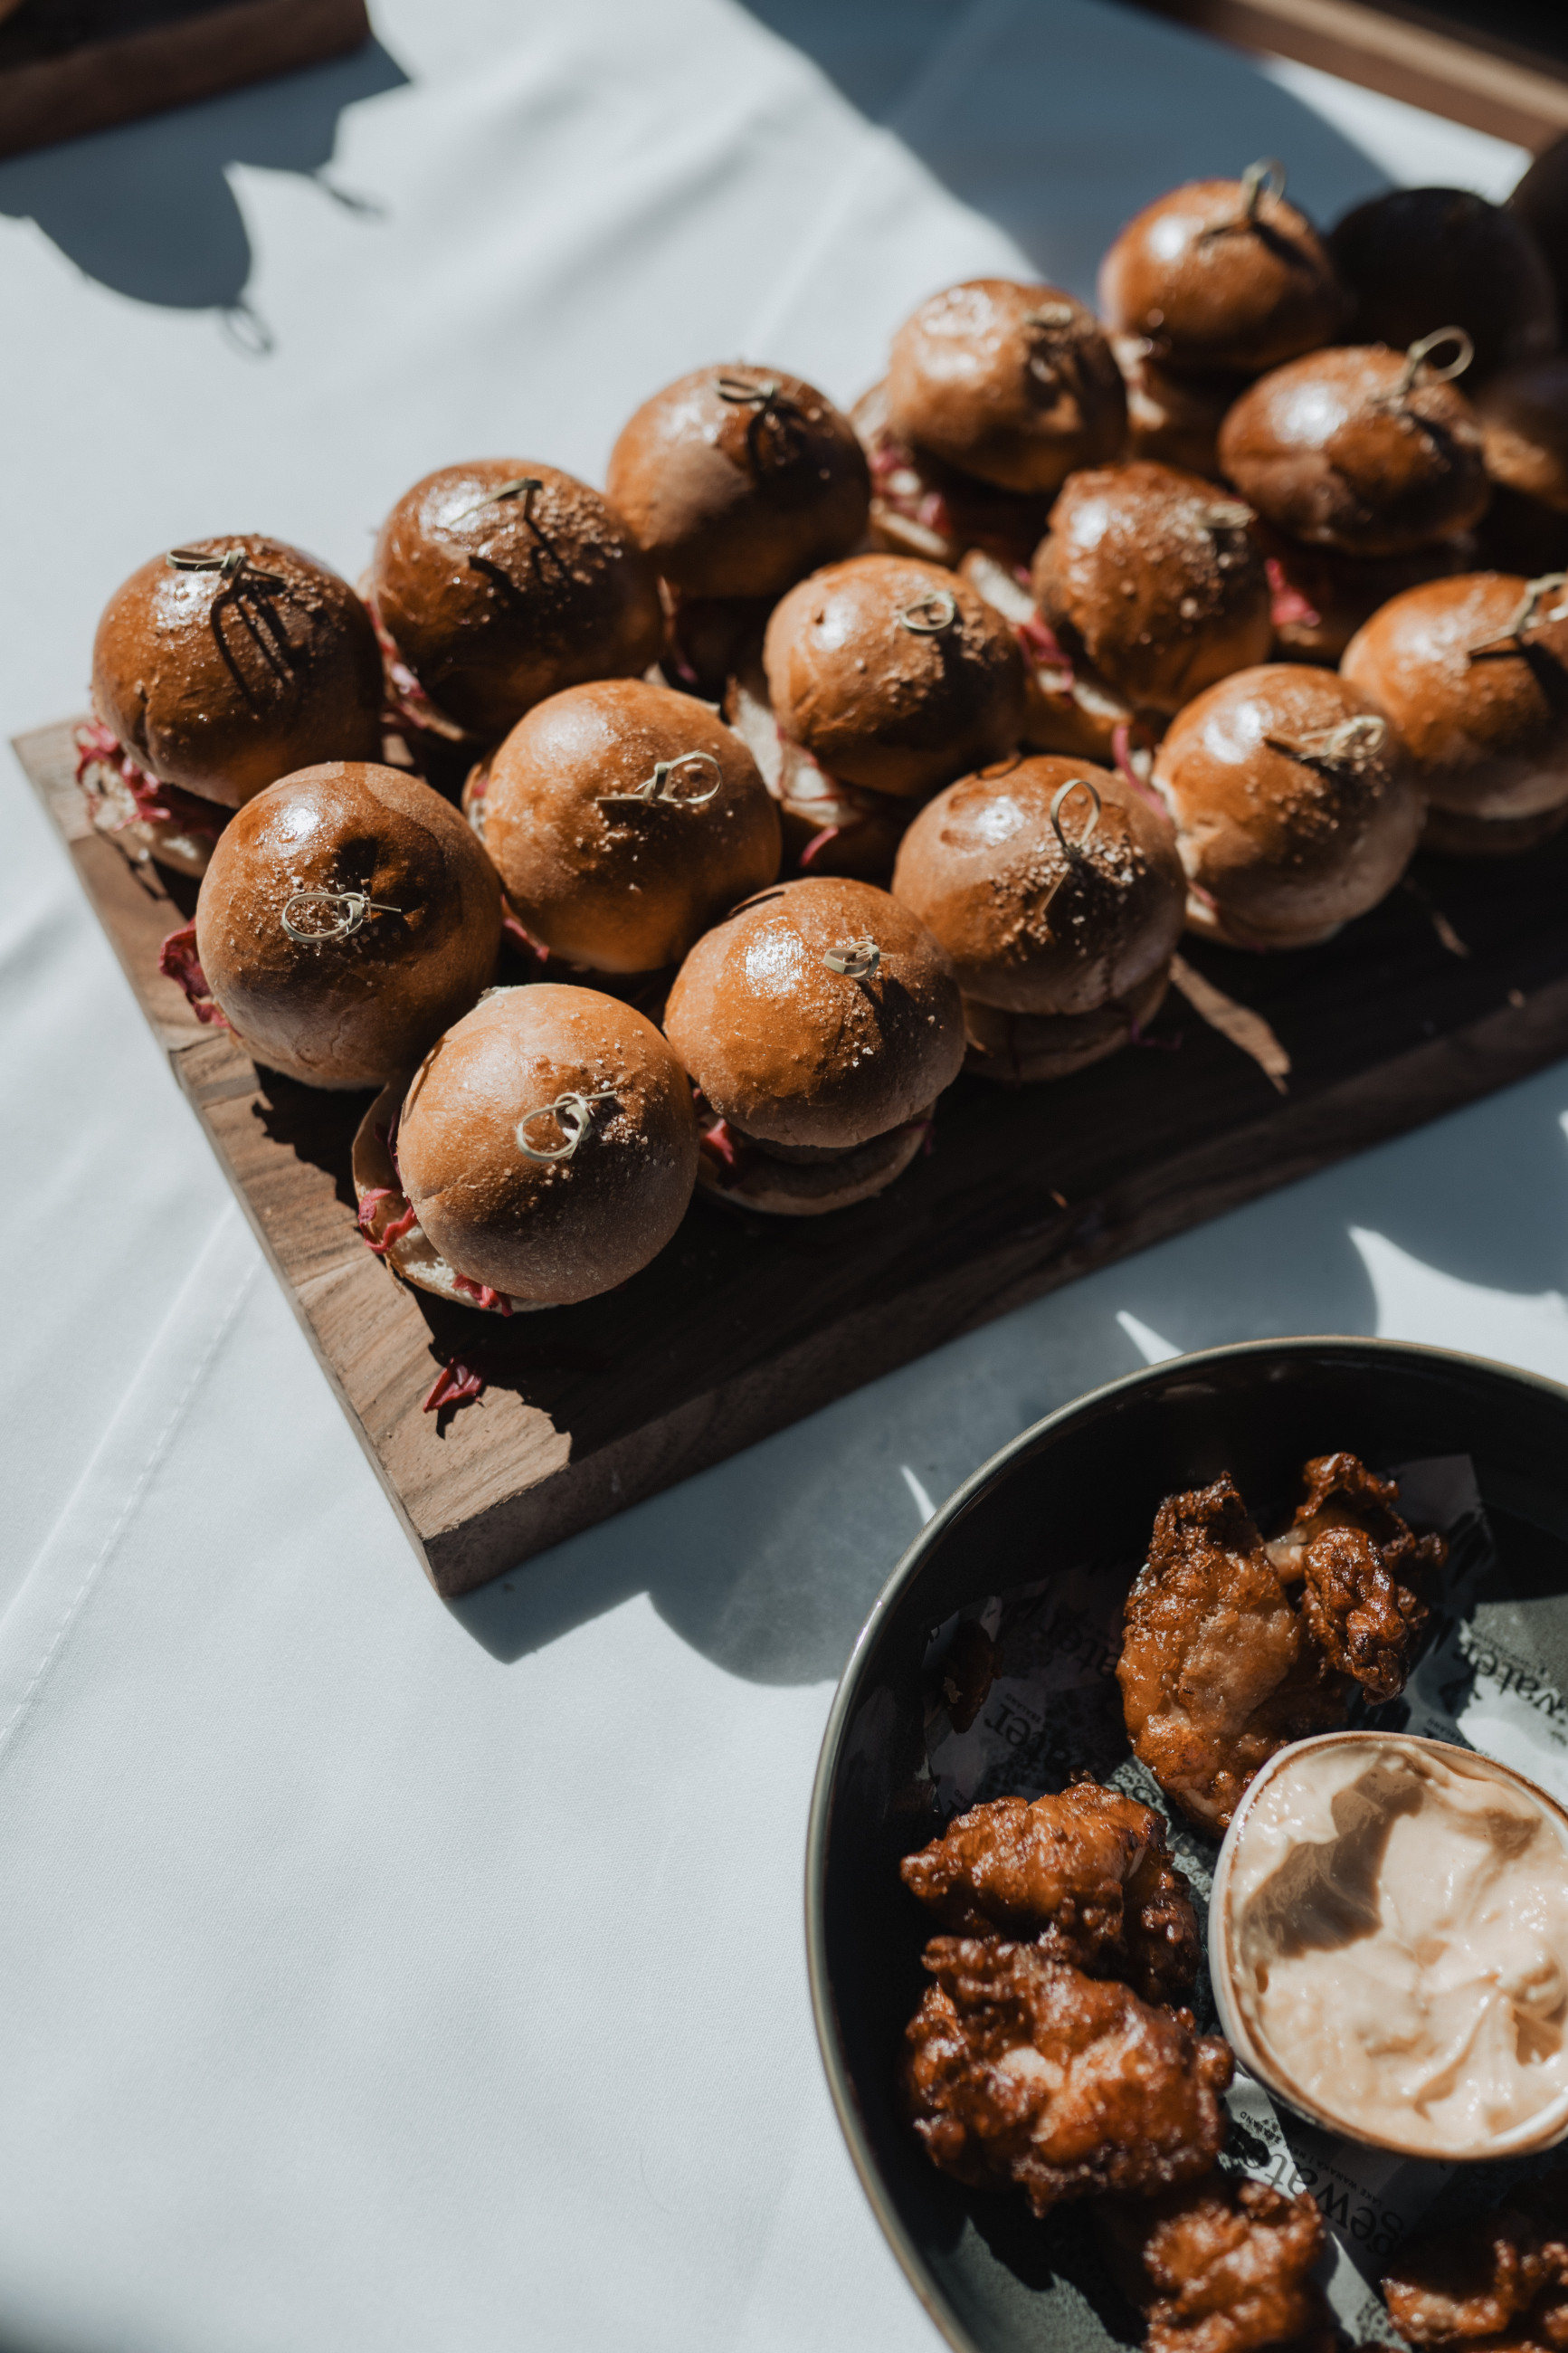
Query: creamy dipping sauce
point(1397, 1931)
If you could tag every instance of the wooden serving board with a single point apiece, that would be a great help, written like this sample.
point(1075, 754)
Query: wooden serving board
point(745, 1323)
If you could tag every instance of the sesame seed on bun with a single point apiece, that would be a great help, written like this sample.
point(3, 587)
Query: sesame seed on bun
point(1473, 673)
point(1154, 577)
point(816, 1019)
point(347, 917)
point(737, 479)
point(1012, 384)
point(623, 818)
point(1293, 805)
point(503, 581)
point(221, 666)
point(1223, 274)
point(893, 673)
point(1362, 449)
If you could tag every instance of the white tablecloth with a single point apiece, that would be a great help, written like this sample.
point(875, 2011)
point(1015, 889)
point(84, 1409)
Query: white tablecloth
point(375, 1975)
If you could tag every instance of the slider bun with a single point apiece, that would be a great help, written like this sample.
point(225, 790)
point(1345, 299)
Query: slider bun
point(627, 885)
point(223, 686)
point(1328, 451)
point(1028, 929)
point(922, 508)
point(735, 496)
point(898, 709)
point(1416, 258)
point(496, 603)
point(1172, 417)
point(795, 1055)
point(1154, 575)
point(1524, 416)
point(1013, 384)
point(1488, 734)
point(1342, 591)
point(1209, 289)
point(549, 1232)
point(1281, 848)
point(1541, 202)
point(760, 1180)
point(1017, 1049)
point(350, 1012)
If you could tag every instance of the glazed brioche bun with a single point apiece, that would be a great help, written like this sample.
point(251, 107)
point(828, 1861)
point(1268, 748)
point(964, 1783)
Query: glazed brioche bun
point(1293, 805)
point(1335, 449)
point(1541, 202)
point(1153, 575)
point(1415, 256)
point(828, 827)
point(735, 480)
point(228, 663)
point(399, 905)
point(893, 674)
point(572, 1074)
point(922, 508)
point(1067, 706)
point(601, 872)
point(1020, 1050)
point(1039, 915)
point(797, 1056)
point(1223, 274)
point(1015, 385)
point(1321, 597)
point(1473, 673)
point(1172, 417)
point(496, 596)
point(1524, 416)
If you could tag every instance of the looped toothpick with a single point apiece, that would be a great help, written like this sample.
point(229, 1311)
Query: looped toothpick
point(230, 563)
point(572, 1114)
point(856, 959)
point(1418, 358)
point(742, 394)
point(1361, 737)
point(929, 616)
point(1527, 613)
point(352, 907)
point(1264, 178)
point(1075, 846)
point(522, 486)
point(660, 785)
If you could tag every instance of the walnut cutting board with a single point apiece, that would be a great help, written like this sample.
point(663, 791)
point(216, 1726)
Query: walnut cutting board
point(745, 1323)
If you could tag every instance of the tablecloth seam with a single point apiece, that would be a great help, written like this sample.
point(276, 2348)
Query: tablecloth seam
point(155, 1453)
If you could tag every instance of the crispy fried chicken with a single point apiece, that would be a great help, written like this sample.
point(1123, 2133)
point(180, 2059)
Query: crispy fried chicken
point(1221, 2266)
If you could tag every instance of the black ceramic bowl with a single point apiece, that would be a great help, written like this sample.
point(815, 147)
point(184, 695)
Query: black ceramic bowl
point(1083, 1483)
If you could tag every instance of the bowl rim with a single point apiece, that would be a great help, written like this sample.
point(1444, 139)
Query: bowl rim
point(845, 1698)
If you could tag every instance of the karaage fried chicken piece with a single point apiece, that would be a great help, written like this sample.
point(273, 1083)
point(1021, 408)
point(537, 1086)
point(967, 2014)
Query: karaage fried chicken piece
point(1085, 1873)
point(1020, 2069)
point(1221, 2266)
point(1347, 1545)
point(1217, 1671)
point(1500, 2283)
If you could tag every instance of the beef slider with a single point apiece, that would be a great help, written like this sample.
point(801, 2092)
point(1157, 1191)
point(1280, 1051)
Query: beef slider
point(1057, 892)
point(1153, 574)
point(1012, 384)
point(547, 1144)
point(820, 1021)
point(1293, 805)
point(737, 479)
point(504, 581)
point(1365, 449)
point(893, 673)
point(1418, 254)
point(221, 666)
point(1223, 274)
point(1541, 202)
point(348, 916)
point(623, 818)
point(1473, 673)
